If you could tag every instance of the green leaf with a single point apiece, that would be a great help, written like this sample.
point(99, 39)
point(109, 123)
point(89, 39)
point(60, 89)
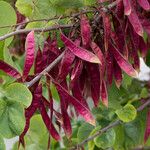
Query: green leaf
point(54, 92)
point(1, 49)
point(66, 6)
point(69, 143)
point(12, 120)
point(127, 113)
point(127, 80)
point(36, 124)
point(16, 118)
point(91, 143)
point(120, 136)
point(114, 95)
point(144, 93)
point(3, 106)
point(7, 17)
point(20, 93)
point(84, 131)
point(5, 129)
point(36, 10)
point(37, 137)
point(24, 7)
point(89, 2)
point(106, 140)
point(133, 131)
point(2, 144)
point(8, 58)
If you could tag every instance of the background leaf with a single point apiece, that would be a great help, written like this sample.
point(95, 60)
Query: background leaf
point(127, 113)
point(84, 131)
point(2, 144)
point(105, 140)
point(6, 10)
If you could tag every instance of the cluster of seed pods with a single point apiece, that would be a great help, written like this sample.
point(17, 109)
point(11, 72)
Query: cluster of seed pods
point(96, 53)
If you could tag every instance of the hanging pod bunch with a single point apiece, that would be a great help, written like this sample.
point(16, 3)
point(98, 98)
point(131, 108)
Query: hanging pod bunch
point(96, 53)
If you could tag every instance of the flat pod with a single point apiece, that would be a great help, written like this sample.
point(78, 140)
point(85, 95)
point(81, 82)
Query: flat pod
point(107, 29)
point(29, 112)
point(85, 31)
point(38, 62)
point(96, 49)
point(80, 108)
point(104, 93)
point(94, 76)
point(146, 24)
point(76, 72)
point(123, 63)
point(65, 65)
point(144, 4)
point(117, 74)
point(134, 20)
point(143, 47)
point(29, 54)
point(79, 51)
point(127, 7)
point(9, 70)
point(65, 117)
point(77, 93)
point(109, 66)
point(47, 120)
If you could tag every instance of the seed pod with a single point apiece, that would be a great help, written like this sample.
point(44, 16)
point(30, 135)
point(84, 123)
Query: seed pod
point(76, 72)
point(127, 7)
point(94, 76)
point(134, 20)
point(144, 4)
point(65, 117)
point(78, 51)
point(65, 65)
point(109, 67)
point(85, 31)
point(9, 70)
point(38, 63)
point(107, 29)
point(29, 54)
point(103, 93)
point(80, 108)
point(117, 74)
point(123, 63)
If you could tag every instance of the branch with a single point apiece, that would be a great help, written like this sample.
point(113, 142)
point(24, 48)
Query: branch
point(63, 17)
point(20, 31)
point(47, 69)
point(49, 19)
point(114, 124)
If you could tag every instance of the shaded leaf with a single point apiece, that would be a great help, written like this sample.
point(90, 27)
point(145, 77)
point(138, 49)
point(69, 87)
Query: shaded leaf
point(84, 131)
point(106, 140)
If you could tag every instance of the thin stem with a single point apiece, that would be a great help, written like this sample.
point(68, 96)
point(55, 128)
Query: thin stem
point(47, 69)
point(48, 19)
point(20, 31)
point(114, 124)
